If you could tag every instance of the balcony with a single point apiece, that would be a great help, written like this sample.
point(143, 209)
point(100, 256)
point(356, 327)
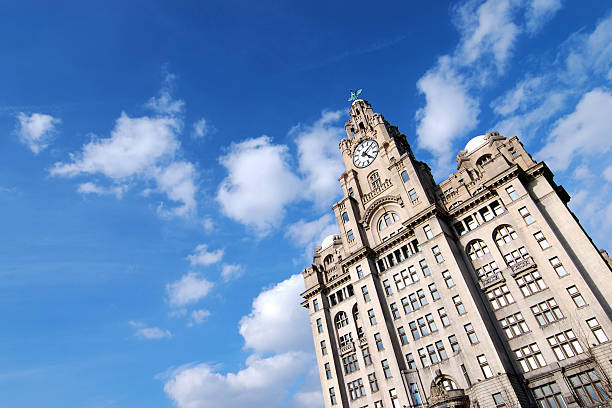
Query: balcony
point(487, 281)
point(521, 266)
point(347, 348)
point(367, 197)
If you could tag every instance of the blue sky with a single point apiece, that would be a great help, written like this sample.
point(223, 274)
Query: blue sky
point(166, 170)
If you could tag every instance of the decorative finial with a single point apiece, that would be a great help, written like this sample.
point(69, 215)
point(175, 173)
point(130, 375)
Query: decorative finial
point(355, 95)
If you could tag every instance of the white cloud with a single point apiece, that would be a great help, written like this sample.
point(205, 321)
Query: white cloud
point(189, 289)
point(203, 257)
point(208, 224)
point(310, 234)
point(583, 132)
point(539, 12)
point(142, 148)
point(231, 271)
point(36, 130)
point(583, 173)
point(92, 188)
point(259, 185)
point(318, 156)
point(277, 325)
point(201, 128)
point(198, 317)
point(149, 333)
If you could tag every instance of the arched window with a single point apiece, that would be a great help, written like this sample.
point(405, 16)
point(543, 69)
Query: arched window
point(341, 320)
point(484, 160)
point(477, 249)
point(345, 217)
point(387, 219)
point(405, 176)
point(504, 234)
point(355, 313)
point(446, 382)
point(328, 259)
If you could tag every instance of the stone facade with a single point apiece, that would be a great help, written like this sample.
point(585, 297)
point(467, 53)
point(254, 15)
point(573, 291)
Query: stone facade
point(483, 290)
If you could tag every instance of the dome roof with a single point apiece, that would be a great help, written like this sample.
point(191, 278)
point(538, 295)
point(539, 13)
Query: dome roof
point(328, 241)
point(475, 143)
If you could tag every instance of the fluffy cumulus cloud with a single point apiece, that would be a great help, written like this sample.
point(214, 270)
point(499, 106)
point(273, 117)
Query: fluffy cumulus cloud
point(149, 333)
point(583, 132)
point(203, 257)
point(189, 289)
point(197, 317)
point(140, 148)
point(278, 327)
point(310, 234)
point(318, 156)
point(36, 130)
point(259, 183)
point(488, 32)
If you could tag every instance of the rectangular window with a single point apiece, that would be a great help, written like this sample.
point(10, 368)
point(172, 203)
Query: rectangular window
point(471, 333)
point(549, 396)
point(513, 195)
point(328, 372)
point(431, 350)
point(530, 357)
point(497, 208)
point(597, 330)
point(531, 283)
point(350, 236)
point(499, 400)
point(386, 369)
point(387, 285)
point(500, 297)
point(484, 366)
point(428, 232)
point(589, 388)
point(423, 326)
point(359, 270)
point(399, 282)
point(565, 345)
point(394, 400)
point(434, 292)
point(315, 305)
point(541, 240)
point(526, 216)
point(437, 254)
point(394, 311)
point(516, 256)
point(471, 222)
point(431, 323)
point(414, 330)
point(410, 361)
point(351, 193)
point(378, 340)
point(576, 296)
point(466, 376)
point(488, 270)
point(414, 277)
point(424, 358)
point(547, 312)
point(424, 267)
point(406, 305)
point(454, 343)
point(350, 363)
point(366, 295)
point(486, 214)
point(401, 332)
point(371, 317)
point(413, 194)
point(356, 389)
point(345, 339)
point(332, 396)
point(444, 317)
point(378, 404)
point(422, 299)
point(373, 382)
point(319, 326)
point(558, 266)
point(367, 359)
point(448, 279)
point(459, 305)
point(414, 301)
point(514, 325)
point(323, 348)
point(441, 350)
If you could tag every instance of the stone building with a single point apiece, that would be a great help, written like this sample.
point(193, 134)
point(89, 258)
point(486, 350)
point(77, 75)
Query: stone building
point(480, 291)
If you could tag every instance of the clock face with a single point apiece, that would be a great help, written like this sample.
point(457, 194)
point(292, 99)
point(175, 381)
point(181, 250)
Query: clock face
point(365, 153)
